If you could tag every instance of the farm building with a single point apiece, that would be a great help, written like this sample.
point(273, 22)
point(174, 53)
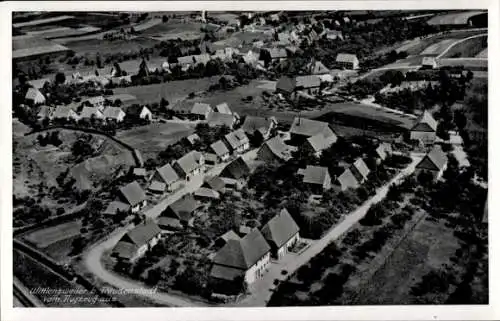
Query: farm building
point(334, 34)
point(303, 128)
point(221, 119)
point(237, 169)
point(38, 83)
point(224, 238)
point(223, 108)
point(179, 214)
point(237, 141)
point(206, 194)
point(261, 125)
point(282, 233)
point(188, 61)
point(275, 149)
point(45, 112)
point(382, 151)
point(116, 207)
point(137, 242)
point(139, 172)
point(316, 68)
point(65, 112)
point(34, 97)
point(133, 195)
point(167, 175)
point(360, 170)
point(192, 139)
point(320, 142)
point(246, 258)
point(91, 112)
point(424, 129)
point(201, 111)
point(429, 63)
point(114, 114)
point(220, 149)
point(316, 176)
point(138, 112)
point(288, 85)
point(346, 180)
point(189, 165)
point(215, 183)
point(279, 54)
point(434, 163)
point(347, 61)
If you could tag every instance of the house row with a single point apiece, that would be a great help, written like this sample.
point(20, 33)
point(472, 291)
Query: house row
point(248, 257)
point(108, 113)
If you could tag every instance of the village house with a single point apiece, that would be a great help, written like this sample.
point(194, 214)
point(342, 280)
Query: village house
point(45, 112)
point(345, 181)
point(133, 195)
point(316, 176)
point(206, 194)
point(137, 242)
point(316, 68)
point(275, 149)
point(192, 139)
point(246, 258)
point(282, 233)
point(139, 172)
point(97, 101)
point(237, 141)
point(116, 207)
point(179, 214)
point(225, 54)
point(38, 83)
point(347, 61)
point(65, 112)
point(221, 119)
point(139, 112)
point(275, 54)
point(360, 170)
point(114, 114)
point(238, 169)
point(201, 111)
point(189, 165)
point(157, 187)
point(215, 183)
point(288, 85)
point(223, 108)
point(383, 151)
point(435, 162)
point(259, 125)
point(251, 57)
point(320, 142)
point(303, 128)
point(210, 158)
point(91, 112)
point(167, 175)
point(429, 63)
point(334, 34)
point(424, 129)
point(224, 238)
point(191, 61)
point(34, 97)
point(220, 149)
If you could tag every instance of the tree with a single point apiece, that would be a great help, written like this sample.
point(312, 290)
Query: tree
point(442, 131)
point(460, 119)
point(164, 18)
point(60, 78)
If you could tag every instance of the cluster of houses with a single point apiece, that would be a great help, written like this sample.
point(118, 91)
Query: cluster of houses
point(94, 108)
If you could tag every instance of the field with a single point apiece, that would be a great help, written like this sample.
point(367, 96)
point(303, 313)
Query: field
point(470, 63)
point(468, 48)
point(453, 18)
point(153, 138)
point(171, 91)
point(174, 29)
point(103, 47)
point(483, 54)
point(426, 247)
point(437, 48)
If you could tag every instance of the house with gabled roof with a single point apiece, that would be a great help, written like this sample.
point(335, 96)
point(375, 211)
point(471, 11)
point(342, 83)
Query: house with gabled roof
point(45, 112)
point(347, 61)
point(189, 165)
point(65, 112)
point(220, 149)
point(206, 194)
point(114, 113)
point(275, 149)
point(435, 162)
point(263, 126)
point(221, 119)
point(193, 138)
point(34, 97)
point(180, 213)
point(383, 151)
point(303, 128)
point(237, 141)
point(317, 177)
point(215, 183)
point(246, 258)
point(223, 108)
point(288, 85)
point(116, 207)
point(188, 61)
point(139, 112)
point(282, 233)
point(91, 112)
point(96, 101)
point(345, 181)
point(429, 63)
point(274, 53)
point(334, 34)
point(136, 242)
point(320, 142)
point(424, 129)
point(133, 195)
point(224, 238)
point(167, 175)
point(201, 111)
point(238, 169)
point(316, 67)
point(360, 170)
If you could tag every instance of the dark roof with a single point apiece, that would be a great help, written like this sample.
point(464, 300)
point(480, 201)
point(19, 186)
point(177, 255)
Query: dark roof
point(142, 233)
point(133, 193)
point(214, 183)
point(116, 206)
point(278, 147)
point(220, 119)
point(169, 222)
point(437, 158)
point(320, 142)
point(184, 207)
point(190, 161)
point(219, 148)
point(347, 179)
point(261, 124)
point(236, 169)
point(280, 228)
point(225, 272)
point(309, 127)
point(425, 123)
point(135, 110)
point(125, 250)
point(236, 138)
point(243, 253)
point(315, 175)
point(167, 174)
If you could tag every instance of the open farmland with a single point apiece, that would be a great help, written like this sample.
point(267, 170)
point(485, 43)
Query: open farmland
point(460, 18)
point(174, 29)
point(103, 47)
point(467, 48)
point(27, 46)
point(469, 63)
point(153, 138)
point(483, 53)
point(437, 48)
point(39, 22)
point(171, 91)
point(64, 32)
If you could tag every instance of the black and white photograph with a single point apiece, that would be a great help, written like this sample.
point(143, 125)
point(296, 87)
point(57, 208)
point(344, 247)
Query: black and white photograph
point(250, 158)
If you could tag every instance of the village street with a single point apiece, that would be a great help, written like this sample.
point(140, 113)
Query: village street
point(261, 290)
point(93, 256)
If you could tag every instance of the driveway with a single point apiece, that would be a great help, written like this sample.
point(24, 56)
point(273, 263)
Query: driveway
point(261, 290)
